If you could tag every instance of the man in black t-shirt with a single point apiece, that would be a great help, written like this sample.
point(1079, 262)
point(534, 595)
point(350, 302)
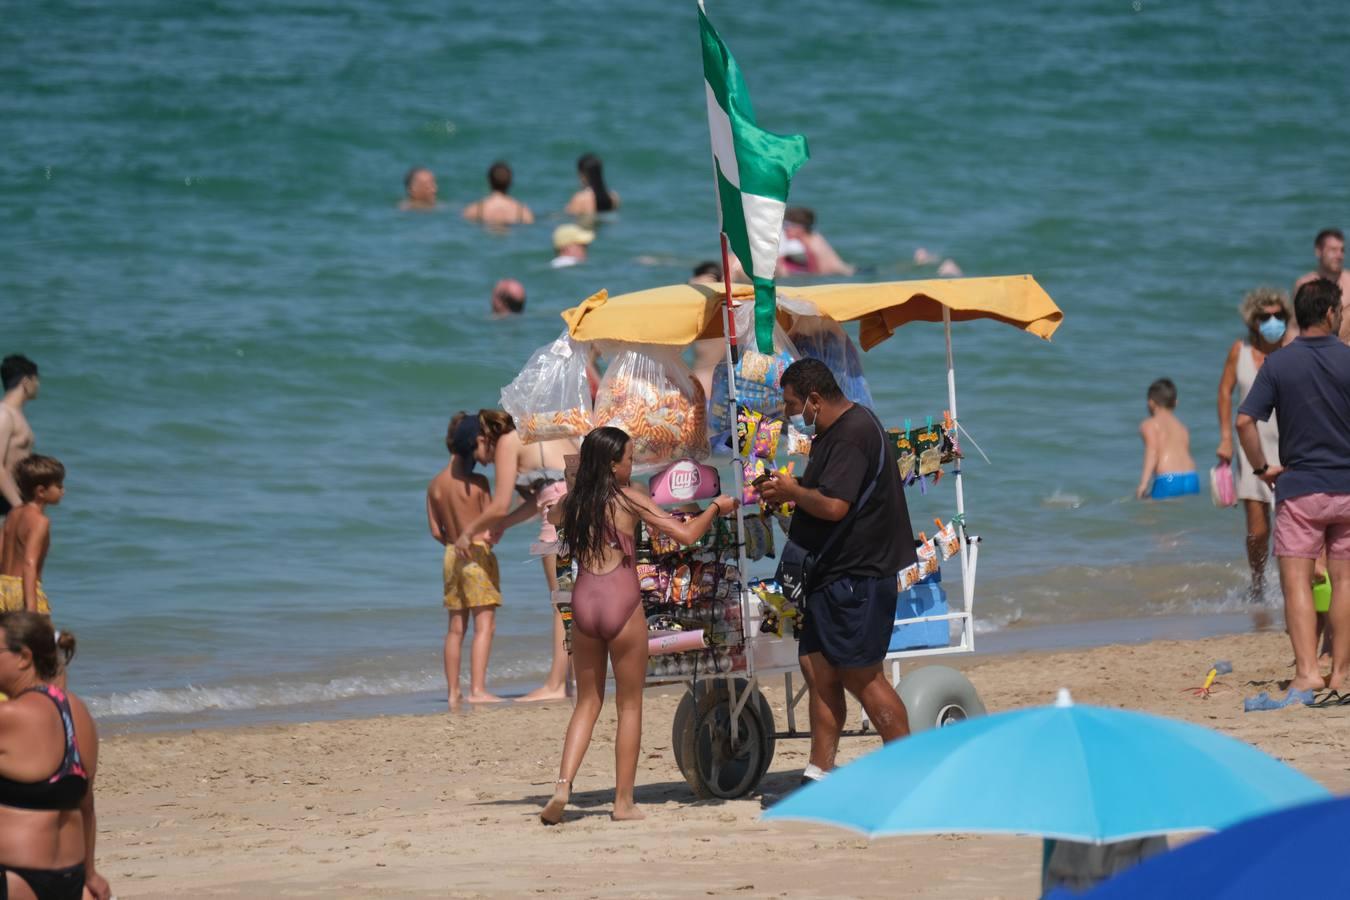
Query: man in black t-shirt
point(851, 599)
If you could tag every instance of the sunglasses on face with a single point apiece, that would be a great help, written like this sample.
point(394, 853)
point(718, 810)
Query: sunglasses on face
point(1267, 316)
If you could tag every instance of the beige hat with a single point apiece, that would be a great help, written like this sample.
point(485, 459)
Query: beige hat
point(570, 233)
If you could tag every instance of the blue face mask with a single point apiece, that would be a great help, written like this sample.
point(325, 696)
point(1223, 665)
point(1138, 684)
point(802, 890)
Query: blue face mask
point(1272, 330)
point(799, 422)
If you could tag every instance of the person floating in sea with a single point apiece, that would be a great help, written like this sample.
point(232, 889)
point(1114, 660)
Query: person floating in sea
point(1329, 248)
point(595, 196)
point(805, 250)
point(498, 209)
point(569, 245)
point(508, 298)
point(600, 518)
point(1169, 470)
point(471, 577)
point(26, 535)
point(419, 188)
point(19, 376)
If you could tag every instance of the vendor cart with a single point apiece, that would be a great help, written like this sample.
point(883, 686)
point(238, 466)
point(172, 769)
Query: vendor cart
point(724, 731)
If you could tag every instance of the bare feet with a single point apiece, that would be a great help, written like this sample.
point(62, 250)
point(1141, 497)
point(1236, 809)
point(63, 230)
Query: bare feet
point(1262, 619)
point(552, 813)
point(456, 702)
point(1317, 683)
point(539, 695)
point(627, 812)
point(485, 697)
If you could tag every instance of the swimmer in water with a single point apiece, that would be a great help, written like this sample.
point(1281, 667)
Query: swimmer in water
point(498, 209)
point(805, 250)
point(594, 196)
point(508, 298)
point(419, 187)
point(569, 245)
point(1169, 470)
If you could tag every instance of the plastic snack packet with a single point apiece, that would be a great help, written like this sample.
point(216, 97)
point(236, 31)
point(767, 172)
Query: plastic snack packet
point(649, 393)
point(798, 444)
point(747, 427)
point(948, 544)
point(758, 538)
point(551, 397)
point(927, 553)
point(902, 450)
point(766, 438)
point(908, 577)
point(753, 468)
point(928, 446)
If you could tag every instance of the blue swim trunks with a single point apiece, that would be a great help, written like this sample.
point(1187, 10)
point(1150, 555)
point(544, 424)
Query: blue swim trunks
point(1176, 484)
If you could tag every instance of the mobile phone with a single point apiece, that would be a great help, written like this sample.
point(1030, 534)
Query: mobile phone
point(761, 479)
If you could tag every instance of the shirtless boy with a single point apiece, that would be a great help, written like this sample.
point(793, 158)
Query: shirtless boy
point(19, 375)
point(1167, 447)
point(499, 208)
point(456, 497)
point(26, 534)
point(1329, 247)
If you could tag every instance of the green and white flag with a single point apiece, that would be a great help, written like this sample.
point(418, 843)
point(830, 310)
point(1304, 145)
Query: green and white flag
point(754, 170)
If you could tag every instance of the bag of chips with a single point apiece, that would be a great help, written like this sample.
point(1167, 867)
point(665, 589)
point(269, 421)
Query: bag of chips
point(648, 392)
point(817, 337)
point(757, 375)
point(551, 398)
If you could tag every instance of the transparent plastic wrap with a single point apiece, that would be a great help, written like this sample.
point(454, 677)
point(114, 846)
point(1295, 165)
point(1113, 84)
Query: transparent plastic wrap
point(649, 393)
point(551, 398)
point(757, 375)
point(818, 337)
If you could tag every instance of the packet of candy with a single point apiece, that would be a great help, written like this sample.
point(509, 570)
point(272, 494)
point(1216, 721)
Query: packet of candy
point(747, 426)
point(948, 544)
point(902, 450)
point(682, 586)
point(798, 444)
point(927, 553)
point(753, 468)
point(766, 438)
point(928, 446)
point(908, 577)
point(781, 511)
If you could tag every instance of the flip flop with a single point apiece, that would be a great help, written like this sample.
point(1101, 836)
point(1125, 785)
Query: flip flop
point(1329, 699)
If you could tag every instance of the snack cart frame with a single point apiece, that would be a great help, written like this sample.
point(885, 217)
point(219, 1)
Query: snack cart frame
point(723, 731)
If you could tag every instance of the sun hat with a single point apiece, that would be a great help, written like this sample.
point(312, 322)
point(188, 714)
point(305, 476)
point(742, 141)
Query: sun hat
point(570, 233)
point(1221, 489)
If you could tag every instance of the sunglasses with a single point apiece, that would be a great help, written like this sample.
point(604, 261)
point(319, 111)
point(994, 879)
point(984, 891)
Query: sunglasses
point(1267, 316)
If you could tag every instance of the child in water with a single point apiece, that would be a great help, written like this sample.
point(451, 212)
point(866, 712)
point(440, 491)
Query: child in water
point(26, 534)
point(1167, 447)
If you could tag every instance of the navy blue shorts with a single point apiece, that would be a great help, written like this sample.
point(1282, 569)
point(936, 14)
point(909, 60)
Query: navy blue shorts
point(849, 621)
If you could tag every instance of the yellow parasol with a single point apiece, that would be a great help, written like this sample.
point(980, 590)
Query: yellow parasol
point(681, 314)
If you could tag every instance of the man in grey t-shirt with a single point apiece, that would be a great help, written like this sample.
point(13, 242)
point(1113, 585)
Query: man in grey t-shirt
point(1307, 384)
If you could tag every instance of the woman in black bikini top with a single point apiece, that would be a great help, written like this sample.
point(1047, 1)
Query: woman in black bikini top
point(48, 752)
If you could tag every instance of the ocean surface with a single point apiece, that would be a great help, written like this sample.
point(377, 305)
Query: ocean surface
point(249, 355)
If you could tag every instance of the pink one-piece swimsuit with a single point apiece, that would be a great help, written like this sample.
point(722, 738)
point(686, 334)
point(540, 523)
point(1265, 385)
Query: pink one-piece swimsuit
point(603, 604)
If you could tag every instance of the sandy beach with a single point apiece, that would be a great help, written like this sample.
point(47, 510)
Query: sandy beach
point(444, 805)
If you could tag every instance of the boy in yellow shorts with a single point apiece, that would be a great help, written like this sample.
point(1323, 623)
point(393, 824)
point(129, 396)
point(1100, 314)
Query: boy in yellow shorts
point(455, 497)
point(26, 535)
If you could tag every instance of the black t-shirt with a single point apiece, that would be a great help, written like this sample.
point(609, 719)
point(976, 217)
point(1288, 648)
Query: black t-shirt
point(879, 540)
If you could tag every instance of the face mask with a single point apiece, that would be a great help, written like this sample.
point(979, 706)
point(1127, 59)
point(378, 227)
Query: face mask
point(799, 422)
point(1272, 330)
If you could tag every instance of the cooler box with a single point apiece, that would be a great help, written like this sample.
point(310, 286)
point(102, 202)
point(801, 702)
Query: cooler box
point(924, 599)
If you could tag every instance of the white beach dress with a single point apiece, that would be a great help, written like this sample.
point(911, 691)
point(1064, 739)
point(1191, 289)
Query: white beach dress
point(1249, 487)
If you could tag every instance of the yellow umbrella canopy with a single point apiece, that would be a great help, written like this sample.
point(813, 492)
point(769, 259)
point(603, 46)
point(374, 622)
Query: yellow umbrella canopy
point(681, 314)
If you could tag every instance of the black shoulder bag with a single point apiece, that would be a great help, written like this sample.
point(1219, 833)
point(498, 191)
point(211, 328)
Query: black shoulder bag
point(796, 565)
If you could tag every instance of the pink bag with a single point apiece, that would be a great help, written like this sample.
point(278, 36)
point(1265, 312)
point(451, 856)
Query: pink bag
point(1221, 489)
point(684, 480)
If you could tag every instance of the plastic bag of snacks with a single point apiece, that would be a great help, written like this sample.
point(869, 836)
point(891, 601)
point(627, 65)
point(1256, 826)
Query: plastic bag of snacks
point(798, 444)
point(550, 398)
point(757, 375)
point(648, 392)
point(817, 337)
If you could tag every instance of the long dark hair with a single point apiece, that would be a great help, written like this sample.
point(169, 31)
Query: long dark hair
point(34, 631)
point(586, 520)
point(592, 170)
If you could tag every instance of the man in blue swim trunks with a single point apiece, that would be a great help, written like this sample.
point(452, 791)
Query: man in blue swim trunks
point(1169, 470)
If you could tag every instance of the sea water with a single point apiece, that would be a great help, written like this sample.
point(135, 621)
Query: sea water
point(249, 356)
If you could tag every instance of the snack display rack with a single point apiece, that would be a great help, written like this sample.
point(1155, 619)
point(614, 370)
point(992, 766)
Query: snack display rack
point(730, 632)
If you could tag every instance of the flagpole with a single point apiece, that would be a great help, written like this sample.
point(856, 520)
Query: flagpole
point(738, 467)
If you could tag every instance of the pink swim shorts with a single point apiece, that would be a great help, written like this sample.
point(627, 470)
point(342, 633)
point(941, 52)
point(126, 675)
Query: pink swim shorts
point(1304, 525)
point(546, 499)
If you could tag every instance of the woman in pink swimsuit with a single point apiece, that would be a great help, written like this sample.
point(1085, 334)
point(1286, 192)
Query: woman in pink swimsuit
point(600, 518)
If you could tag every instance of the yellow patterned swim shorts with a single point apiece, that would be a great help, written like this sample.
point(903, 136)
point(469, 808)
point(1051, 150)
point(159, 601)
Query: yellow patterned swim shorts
point(11, 595)
point(473, 581)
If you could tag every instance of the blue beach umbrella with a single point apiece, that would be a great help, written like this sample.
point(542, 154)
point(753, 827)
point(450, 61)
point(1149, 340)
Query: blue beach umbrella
point(1271, 856)
point(1077, 773)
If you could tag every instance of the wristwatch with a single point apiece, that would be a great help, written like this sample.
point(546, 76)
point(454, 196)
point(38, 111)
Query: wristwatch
point(1261, 471)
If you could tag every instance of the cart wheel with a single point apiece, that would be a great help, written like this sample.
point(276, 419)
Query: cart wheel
point(683, 721)
point(937, 696)
point(709, 762)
